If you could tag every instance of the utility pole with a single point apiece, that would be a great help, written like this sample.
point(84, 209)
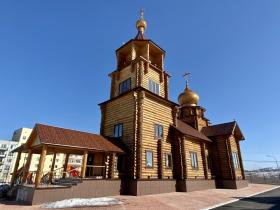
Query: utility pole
point(276, 161)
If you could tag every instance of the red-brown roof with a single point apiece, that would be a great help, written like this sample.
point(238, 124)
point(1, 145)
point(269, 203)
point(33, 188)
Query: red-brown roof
point(222, 129)
point(72, 138)
point(190, 131)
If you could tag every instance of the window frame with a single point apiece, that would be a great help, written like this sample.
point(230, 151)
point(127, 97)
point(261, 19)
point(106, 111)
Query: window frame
point(194, 165)
point(126, 82)
point(153, 86)
point(235, 160)
point(152, 153)
point(171, 161)
point(156, 131)
point(118, 126)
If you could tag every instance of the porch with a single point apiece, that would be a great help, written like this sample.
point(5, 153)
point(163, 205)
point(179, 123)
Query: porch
point(99, 158)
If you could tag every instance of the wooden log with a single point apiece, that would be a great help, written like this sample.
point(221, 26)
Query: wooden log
point(39, 172)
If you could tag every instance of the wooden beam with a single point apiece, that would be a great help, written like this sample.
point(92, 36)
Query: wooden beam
point(39, 172)
point(160, 157)
point(240, 160)
point(65, 165)
point(27, 166)
point(52, 167)
point(230, 161)
point(112, 165)
point(84, 165)
point(204, 159)
point(184, 161)
point(15, 169)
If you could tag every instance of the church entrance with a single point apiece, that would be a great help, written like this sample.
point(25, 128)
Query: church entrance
point(95, 165)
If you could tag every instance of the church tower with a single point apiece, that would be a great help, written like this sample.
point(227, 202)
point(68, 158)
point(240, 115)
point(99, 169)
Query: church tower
point(190, 112)
point(138, 114)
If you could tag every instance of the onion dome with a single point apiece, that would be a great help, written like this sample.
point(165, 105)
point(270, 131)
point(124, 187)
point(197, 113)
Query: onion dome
point(141, 25)
point(188, 97)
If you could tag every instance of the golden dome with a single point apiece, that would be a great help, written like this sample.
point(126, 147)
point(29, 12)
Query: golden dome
point(141, 25)
point(188, 97)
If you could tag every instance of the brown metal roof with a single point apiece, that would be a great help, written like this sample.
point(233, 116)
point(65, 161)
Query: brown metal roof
point(223, 129)
point(190, 131)
point(72, 138)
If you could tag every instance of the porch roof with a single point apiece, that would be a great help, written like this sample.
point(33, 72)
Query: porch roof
point(56, 137)
point(187, 130)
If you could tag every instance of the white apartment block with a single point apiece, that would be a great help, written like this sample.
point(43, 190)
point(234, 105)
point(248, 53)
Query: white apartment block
point(6, 159)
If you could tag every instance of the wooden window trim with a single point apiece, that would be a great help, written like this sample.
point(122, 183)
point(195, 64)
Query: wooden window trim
point(193, 167)
point(152, 88)
point(157, 137)
point(151, 151)
point(235, 157)
point(129, 79)
point(115, 126)
point(168, 167)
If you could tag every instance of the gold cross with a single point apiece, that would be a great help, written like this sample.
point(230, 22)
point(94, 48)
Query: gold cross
point(187, 77)
point(142, 14)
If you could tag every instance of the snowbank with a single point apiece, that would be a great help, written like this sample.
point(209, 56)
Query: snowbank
point(82, 202)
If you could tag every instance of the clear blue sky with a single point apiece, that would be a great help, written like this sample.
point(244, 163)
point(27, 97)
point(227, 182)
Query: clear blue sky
point(55, 57)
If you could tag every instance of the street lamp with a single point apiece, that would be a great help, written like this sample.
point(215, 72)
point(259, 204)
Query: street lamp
point(276, 161)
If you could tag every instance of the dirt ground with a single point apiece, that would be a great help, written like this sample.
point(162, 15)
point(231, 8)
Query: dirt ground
point(177, 200)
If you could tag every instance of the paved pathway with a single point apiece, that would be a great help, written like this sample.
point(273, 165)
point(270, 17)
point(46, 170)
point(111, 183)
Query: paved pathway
point(171, 201)
point(267, 200)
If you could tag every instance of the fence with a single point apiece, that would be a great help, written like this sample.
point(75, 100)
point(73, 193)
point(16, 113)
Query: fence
point(264, 177)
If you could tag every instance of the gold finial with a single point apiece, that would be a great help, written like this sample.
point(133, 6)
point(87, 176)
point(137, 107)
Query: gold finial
point(188, 97)
point(141, 24)
point(187, 78)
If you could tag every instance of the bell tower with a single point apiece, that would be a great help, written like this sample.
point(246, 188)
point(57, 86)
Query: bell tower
point(190, 112)
point(139, 88)
point(140, 61)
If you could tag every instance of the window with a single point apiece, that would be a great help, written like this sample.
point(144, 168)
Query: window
point(124, 86)
point(168, 160)
point(153, 86)
point(149, 159)
point(118, 130)
point(158, 131)
point(56, 160)
point(194, 163)
point(24, 137)
point(235, 160)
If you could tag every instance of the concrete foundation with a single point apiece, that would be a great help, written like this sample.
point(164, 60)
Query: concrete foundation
point(86, 189)
point(194, 185)
point(231, 184)
point(149, 186)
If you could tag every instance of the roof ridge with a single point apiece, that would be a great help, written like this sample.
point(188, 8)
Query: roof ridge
point(66, 129)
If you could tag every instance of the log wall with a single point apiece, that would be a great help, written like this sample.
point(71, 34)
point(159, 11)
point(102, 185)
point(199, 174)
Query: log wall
point(194, 146)
point(155, 113)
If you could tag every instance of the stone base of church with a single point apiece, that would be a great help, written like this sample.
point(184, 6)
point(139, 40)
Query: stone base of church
point(149, 186)
point(231, 184)
point(195, 185)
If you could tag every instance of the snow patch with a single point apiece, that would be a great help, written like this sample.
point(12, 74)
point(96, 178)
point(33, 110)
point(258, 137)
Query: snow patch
point(82, 202)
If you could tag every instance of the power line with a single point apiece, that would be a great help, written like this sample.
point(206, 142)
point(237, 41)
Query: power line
point(260, 161)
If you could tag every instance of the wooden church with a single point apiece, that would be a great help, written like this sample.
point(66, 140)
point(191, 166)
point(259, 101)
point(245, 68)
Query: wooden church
point(165, 142)
point(147, 143)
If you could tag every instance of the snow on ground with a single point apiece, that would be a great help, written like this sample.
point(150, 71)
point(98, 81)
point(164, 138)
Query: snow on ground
point(82, 202)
